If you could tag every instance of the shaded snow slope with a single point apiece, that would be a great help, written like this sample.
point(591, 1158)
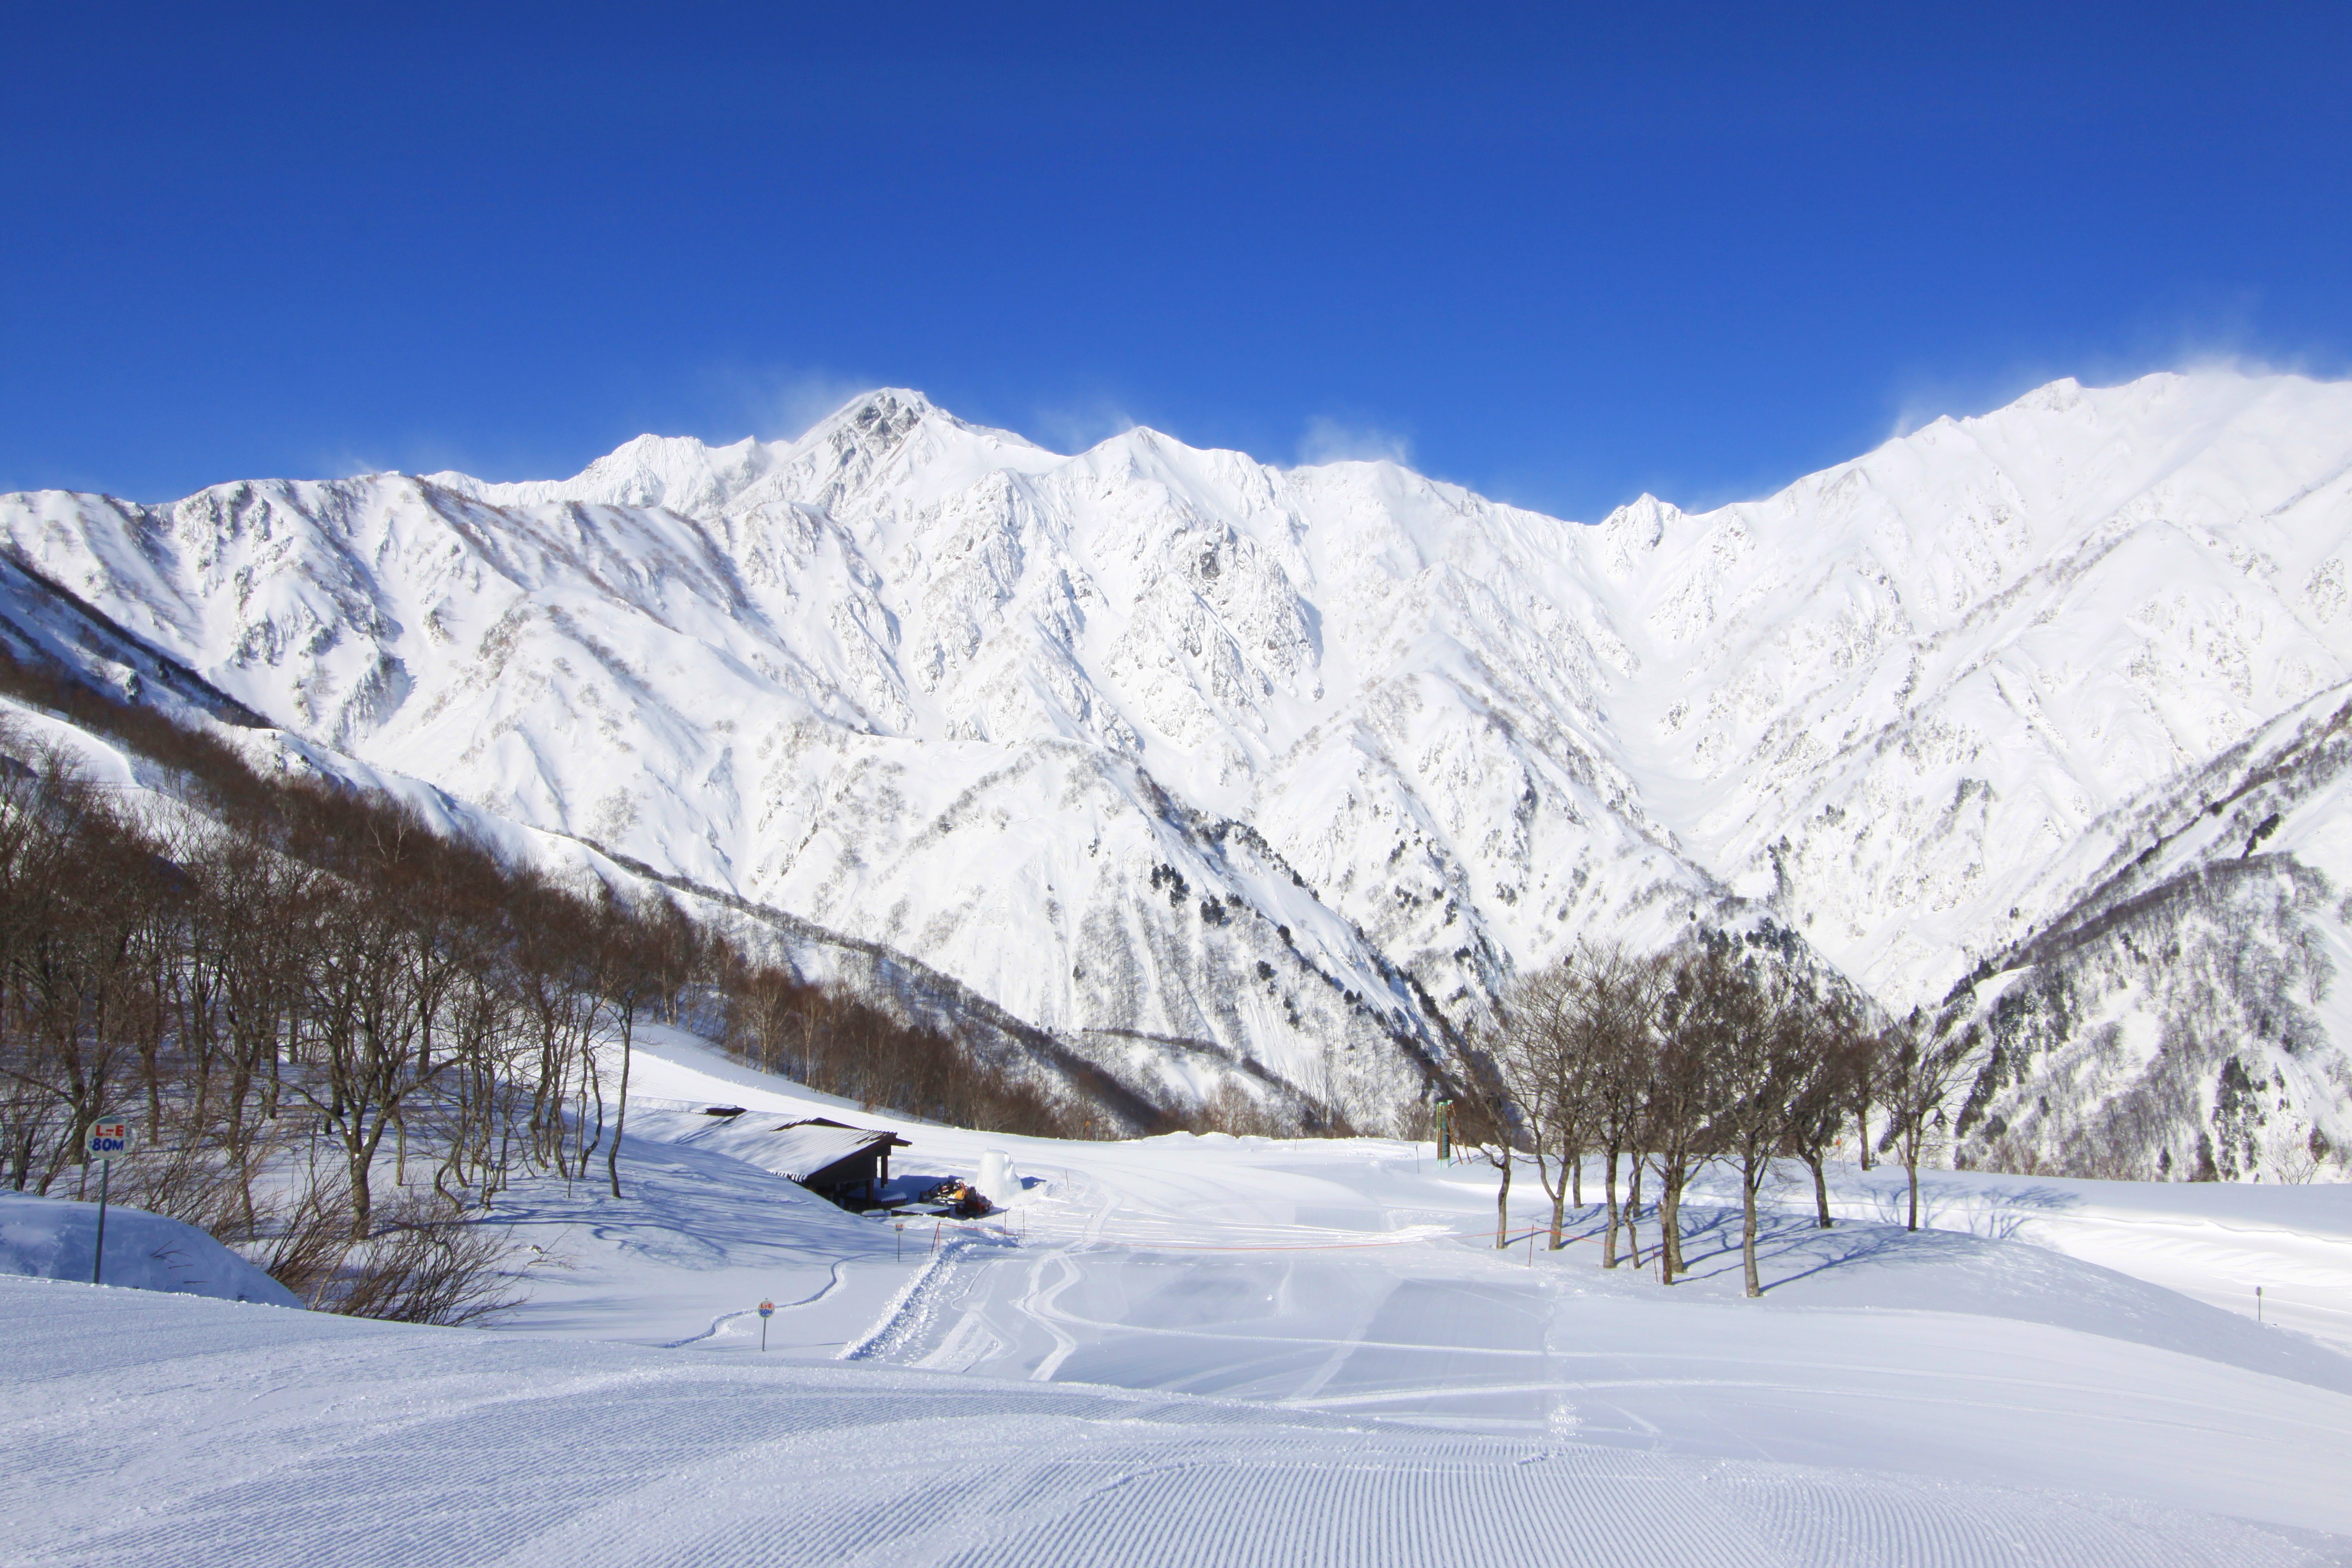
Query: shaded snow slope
point(55, 1238)
point(2180, 1016)
point(1211, 767)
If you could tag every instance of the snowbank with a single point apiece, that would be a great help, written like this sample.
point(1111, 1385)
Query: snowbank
point(50, 1239)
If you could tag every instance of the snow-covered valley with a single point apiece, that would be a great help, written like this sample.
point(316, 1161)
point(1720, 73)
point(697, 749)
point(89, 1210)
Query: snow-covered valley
point(1208, 770)
point(1230, 1351)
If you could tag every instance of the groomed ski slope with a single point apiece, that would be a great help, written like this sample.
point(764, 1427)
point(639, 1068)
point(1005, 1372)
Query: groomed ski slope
point(1211, 1351)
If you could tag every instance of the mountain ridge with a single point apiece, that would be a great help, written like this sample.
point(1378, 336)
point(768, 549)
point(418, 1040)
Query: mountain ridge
point(929, 684)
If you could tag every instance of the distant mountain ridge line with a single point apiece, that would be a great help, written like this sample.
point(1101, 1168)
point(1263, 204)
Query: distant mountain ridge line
point(1895, 707)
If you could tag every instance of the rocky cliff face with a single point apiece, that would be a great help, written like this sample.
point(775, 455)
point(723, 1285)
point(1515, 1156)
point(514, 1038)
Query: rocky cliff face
point(1194, 761)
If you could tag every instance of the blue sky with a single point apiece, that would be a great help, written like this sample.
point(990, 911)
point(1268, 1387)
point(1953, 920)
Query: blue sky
point(1561, 253)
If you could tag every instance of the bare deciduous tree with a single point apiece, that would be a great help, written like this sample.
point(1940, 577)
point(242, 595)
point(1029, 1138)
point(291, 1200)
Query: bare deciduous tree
point(1533, 1047)
point(1920, 1070)
point(1844, 1052)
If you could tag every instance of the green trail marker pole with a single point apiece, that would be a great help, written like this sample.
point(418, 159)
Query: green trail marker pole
point(767, 1311)
point(106, 1140)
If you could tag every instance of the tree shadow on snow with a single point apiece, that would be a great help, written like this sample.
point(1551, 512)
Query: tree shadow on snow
point(1887, 1268)
point(1997, 1216)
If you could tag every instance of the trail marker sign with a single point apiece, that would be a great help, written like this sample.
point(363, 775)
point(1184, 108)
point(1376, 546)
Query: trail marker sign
point(106, 1140)
point(767, 1311)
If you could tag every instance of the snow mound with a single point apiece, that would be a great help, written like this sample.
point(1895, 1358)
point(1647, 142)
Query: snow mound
point(1000, 1182)
point(51, 1238)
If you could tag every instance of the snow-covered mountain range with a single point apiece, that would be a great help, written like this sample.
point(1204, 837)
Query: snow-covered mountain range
point(1208, 767)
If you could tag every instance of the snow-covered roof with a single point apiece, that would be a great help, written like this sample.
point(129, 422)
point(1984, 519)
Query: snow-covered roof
point(801, 1149)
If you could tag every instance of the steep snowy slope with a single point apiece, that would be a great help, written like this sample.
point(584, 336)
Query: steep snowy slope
point(2181, 1016)
point(1902, 687)
point(1295, 765)
point(1026, 731)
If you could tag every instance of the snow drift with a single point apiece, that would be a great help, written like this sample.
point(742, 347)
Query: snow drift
point(51, 1238)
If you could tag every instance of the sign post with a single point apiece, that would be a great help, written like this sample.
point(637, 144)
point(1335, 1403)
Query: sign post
point(106, 1140)
point(767, 1311)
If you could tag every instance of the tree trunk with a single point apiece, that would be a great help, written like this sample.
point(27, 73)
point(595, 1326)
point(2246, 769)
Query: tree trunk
point(363, 1195)
point(1502, 1203)
point(1750, 1174)
point(1821, 1190)
point(621, 1113)
point(1670, 1225)
point(1911, 1164)
point(1671, 1183)
point(1609, 1241)
point(1559, 1195)
point(1634, 1214)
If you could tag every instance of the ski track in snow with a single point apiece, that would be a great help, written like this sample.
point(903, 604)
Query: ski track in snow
point(1038, 1303)
point(833, 1283)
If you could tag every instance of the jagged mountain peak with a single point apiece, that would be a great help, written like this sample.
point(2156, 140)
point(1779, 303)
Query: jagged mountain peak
point(686, 475)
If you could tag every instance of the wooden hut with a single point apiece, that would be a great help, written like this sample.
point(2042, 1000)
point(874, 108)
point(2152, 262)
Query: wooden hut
point(833, 1159)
